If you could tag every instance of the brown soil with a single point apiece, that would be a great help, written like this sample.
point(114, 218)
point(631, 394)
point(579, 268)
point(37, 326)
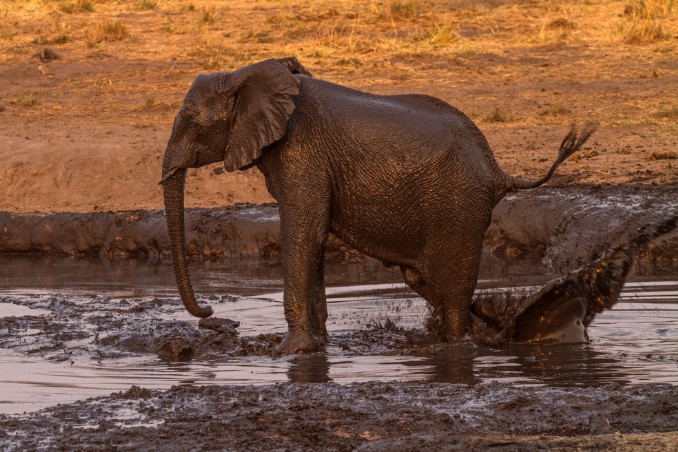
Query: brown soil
point(86, 131)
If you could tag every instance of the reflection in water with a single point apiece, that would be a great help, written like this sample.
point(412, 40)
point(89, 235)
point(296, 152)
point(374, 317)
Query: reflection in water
point(453, 364)
point(550, 365)
point(313, 368)
point(635, 342)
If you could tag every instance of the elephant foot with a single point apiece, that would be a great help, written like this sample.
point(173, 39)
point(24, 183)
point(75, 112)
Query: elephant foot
point(300, 342)
point(324, 337)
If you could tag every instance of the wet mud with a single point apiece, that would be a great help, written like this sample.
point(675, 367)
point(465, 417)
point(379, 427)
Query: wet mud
point(450, 410)
point(565, 227)
point(366, 416)
point(460, 402)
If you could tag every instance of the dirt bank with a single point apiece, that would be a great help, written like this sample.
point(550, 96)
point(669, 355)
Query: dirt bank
point(368, 416)
point(564, 226)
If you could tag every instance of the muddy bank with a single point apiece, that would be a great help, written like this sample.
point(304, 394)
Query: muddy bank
point(367, 416)
point(459, 395)
point(563, 397)
point(565, 226)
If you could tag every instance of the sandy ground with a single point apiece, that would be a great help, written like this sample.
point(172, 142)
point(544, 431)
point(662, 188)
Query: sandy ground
point(86, 131)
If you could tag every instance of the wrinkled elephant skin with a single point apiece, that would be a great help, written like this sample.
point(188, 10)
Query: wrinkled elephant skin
point(406, 179)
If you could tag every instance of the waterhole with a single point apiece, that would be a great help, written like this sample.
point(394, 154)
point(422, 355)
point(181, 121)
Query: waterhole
point(636, 342)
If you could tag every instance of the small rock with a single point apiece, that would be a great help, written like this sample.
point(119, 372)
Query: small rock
point(219, 325)
point(48, 55)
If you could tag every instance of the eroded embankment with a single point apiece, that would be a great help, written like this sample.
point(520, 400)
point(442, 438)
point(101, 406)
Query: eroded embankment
point(565, 226)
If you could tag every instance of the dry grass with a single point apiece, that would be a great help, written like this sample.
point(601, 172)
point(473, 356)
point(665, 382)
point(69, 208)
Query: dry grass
point(420, 44)
point(377, 34)
point(406, 9)
point(106, 31)
point(663, 155)
point(145, 5)
point(645, 21)
point(78, 6)
point(666, 112)
point(500, 115)
point(556, 110)
point(28, 100)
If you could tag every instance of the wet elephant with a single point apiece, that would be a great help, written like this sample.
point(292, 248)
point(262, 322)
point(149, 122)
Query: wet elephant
point(406, 179)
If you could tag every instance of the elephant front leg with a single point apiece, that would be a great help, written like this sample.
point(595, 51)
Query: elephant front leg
point(304, 296)
point(319, 300)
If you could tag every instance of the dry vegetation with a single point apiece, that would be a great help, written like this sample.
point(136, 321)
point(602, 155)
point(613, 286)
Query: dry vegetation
point(377, 42)
point(523, 69)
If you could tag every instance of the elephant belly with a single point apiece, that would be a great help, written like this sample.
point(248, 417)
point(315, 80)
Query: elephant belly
point(420, 214)
point(382, 227)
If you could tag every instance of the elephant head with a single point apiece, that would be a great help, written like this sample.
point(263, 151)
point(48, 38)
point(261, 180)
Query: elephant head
point(229, 117)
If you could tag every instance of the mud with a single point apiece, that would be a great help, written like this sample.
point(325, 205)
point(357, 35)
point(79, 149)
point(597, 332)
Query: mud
point(557, 408)
point(566, 227)
point(452, 395)
point(470, 396)
point(368, 416)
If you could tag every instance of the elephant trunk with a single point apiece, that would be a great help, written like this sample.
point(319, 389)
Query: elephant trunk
point(173, 191)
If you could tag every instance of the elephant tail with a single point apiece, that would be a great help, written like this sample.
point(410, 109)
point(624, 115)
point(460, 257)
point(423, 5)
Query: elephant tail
point(571, 144)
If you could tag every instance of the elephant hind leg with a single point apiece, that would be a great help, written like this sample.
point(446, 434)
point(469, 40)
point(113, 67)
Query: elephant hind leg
point(452, 287)
point(448, 287)
point(416, 281)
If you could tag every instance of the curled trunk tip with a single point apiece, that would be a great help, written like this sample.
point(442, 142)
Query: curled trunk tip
point(173, 192)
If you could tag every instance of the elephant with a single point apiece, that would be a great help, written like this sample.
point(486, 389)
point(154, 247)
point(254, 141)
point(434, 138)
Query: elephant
point(406, 179)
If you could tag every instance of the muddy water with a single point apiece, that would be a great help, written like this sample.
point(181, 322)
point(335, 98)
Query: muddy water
point(636, 342)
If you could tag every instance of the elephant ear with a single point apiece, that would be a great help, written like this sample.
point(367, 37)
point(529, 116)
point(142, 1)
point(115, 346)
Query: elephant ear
point(263, 102)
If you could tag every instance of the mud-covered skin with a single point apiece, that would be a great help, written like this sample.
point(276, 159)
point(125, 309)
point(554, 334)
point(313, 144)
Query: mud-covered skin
point(563, 309)
point(406, 179)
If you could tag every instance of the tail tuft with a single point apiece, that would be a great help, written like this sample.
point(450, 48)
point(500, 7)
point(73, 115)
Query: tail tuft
point(572, 142)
